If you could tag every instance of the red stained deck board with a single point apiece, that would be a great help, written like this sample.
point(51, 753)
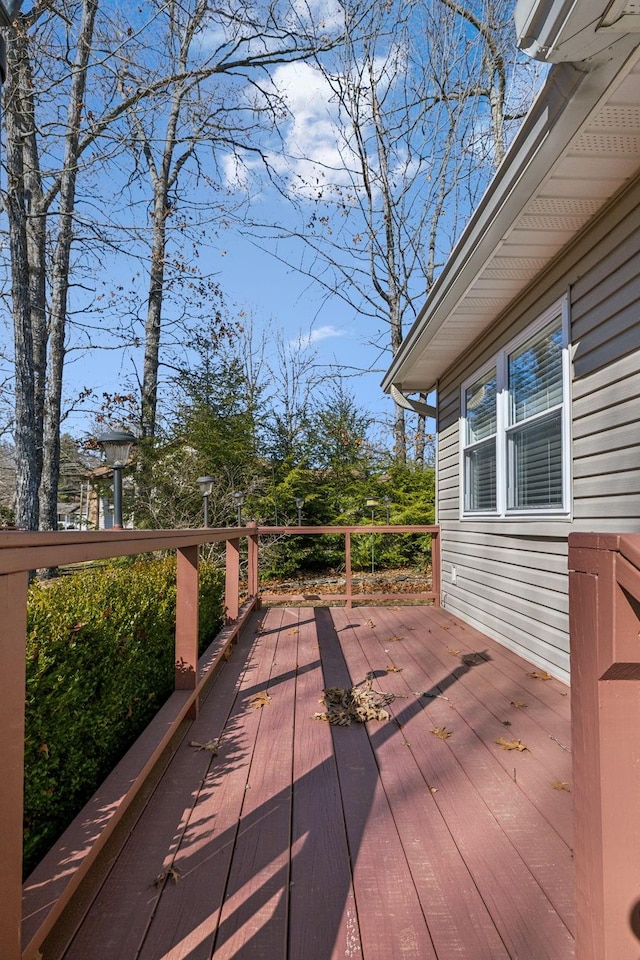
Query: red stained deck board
point(480, 704)
point(323, 917)
point(508, 662)
point(525, 918)
point(186, 920)
point(391, 920)
point(458, 920)
point(116, 925)
point(254, 917)
point(524, 819)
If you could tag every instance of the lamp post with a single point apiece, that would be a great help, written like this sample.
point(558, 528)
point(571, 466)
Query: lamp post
point(116, 445)
point(238, 496)
point(387, 503)
point(299, 505)
point(373, 503)
point(205, 484)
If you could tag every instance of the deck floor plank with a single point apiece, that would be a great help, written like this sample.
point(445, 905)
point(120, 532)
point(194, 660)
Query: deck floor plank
point(117, 924)
point(496, 809)
point(303, 841)
point(458, 919)
point(523, 817)
point(253, 921)
point(390, 915)
point(186, 919)
point(320, 869)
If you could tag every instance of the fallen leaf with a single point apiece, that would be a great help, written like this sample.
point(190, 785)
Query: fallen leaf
point(261, 700)
point(511, 744)
point(259, 626)
point(294, 631)
point(441, 732)
point(391, 668)
point(394, 639)
point(454, 653)
point(506, 723)
point(226, 653)
point(171, 873)
point(44, 750)
point(561, 785)
point(518, 704)
point(370, 623)
point(540, 675)
point(211, 745)
point(433, 789)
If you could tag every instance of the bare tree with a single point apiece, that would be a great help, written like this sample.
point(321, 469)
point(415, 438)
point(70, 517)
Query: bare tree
point(420, 104)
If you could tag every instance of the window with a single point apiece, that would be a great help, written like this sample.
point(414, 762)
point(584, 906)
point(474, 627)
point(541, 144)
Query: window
point(515, 427)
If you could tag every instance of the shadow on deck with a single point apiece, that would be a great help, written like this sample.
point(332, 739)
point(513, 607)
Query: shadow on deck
point(273, 835)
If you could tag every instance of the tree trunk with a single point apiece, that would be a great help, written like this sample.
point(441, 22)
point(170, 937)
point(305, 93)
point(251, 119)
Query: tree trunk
point(26, 433)
point(154, 313)
point(60, 281)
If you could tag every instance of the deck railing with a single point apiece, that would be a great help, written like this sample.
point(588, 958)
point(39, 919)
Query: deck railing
point(604, 611)
point(28, 915)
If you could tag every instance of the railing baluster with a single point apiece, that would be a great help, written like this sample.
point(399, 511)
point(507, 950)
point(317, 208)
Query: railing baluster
point(435, 567)
point(232, 579)
point(186, 652)
point(252, 561)
point(13, 616)
point(347, 570)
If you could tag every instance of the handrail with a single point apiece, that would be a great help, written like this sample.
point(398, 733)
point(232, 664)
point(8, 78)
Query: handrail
point(604, 617)
point(51, 886)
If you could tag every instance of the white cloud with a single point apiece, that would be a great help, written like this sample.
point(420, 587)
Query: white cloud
point(304, 340)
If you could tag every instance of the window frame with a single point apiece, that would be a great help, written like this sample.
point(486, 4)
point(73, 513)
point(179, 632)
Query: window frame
point(559, 310)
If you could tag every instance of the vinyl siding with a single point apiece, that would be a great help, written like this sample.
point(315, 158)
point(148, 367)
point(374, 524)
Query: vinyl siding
point(511, 575)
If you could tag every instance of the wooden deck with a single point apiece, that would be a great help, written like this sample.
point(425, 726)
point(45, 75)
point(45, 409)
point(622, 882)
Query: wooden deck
point(308, 841)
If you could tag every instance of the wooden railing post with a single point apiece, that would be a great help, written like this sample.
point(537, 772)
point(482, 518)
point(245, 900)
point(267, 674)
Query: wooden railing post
point(435, 567)
point(232, 579)
point(604, 614)
point(186, 650)
point(252, 560)
point(13, 617)
point(347, 570)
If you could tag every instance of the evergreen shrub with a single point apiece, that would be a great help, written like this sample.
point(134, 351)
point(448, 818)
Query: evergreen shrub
point(100, 663)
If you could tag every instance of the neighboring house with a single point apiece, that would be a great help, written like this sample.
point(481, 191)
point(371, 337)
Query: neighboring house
point(530, 339)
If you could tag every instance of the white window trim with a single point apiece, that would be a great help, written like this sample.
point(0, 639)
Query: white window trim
point(499, 360)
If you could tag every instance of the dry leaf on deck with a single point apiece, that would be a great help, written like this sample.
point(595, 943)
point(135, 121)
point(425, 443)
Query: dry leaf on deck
point(211, 745)
point(171, 873)
point(441, 732)
point(511, 744)
point(295, 630)
point(561, 785)
point(394, 639)
point(454, 653)
point(259, 626)
point(540, 675)
point(506, 723)
point(226, 653)
point(261, 700)
point(391, 668)
point(518, 704)
point(370, 623)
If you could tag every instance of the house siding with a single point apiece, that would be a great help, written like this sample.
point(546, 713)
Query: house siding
point(511, 575)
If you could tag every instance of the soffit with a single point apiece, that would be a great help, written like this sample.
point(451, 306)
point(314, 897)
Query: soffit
point(598, 160)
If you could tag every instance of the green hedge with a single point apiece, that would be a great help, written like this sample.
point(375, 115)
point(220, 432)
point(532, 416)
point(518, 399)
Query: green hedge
point(100, 662)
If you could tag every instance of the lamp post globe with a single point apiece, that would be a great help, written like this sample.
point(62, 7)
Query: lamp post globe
point(116, 445)
point(206, 485)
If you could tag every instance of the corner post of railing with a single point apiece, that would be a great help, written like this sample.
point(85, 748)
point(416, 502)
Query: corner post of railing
point(186, 643)
point(604, 618)
point(13, 614)
point(252, 559)
point(347, 570)
point(435, 566)
point(232, 579)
